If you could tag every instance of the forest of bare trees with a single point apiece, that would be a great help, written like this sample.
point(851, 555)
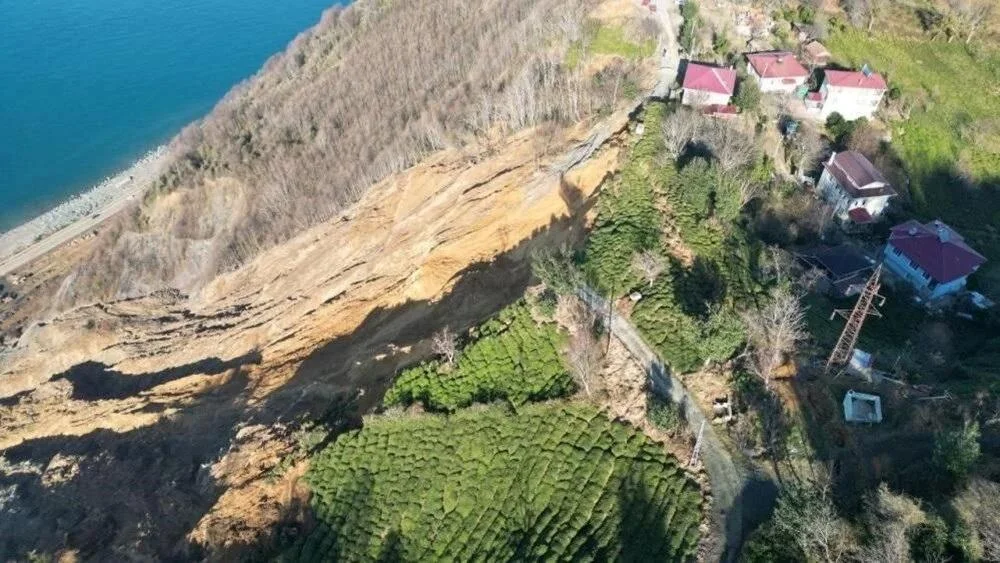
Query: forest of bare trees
point(368, 92)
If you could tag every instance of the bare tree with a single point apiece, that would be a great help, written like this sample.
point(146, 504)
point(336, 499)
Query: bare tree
point(805, 149)
point(773, 331)
point(806, 514)
point(648, 265)
point(584, 353)
point(732, 148)
point(970, 16)
point(679, 129)
point(891, 517)
point(585, 361)
point(864, 13)
point(980, 507)
point(444, 343)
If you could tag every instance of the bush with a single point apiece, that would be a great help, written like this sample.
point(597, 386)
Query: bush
point(665, 415)
point(513, 358)
point(747, 95)
point(549, 483)
point(956, 451)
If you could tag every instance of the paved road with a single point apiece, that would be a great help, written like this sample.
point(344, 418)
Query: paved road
point(742, 497)
point(670, 21)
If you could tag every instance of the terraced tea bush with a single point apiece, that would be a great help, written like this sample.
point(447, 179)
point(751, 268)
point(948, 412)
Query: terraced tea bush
point(513, 358)
point(553, 483)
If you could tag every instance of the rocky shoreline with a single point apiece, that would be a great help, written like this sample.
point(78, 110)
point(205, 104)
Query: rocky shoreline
point(83, 210)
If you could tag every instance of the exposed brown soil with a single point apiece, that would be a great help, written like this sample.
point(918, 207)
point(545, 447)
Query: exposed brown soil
point(147, 428)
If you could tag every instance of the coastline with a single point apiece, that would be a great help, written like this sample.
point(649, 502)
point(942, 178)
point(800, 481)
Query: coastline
point(82, 213)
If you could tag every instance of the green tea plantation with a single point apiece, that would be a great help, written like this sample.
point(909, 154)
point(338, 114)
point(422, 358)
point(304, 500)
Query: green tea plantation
point(513, 358)
point(553, 482)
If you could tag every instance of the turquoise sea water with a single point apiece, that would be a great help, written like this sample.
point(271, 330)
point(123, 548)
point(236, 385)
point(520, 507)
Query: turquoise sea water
point(88, 86)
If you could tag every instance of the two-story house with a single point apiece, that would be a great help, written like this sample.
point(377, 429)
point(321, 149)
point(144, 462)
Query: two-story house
point(852, 94)
point(776, 71)
point(932, 258)
point(856, 189)
point(706, 85)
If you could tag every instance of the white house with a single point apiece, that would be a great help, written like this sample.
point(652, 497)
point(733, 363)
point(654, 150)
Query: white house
point(932, 258)
point(857, 190)
point(852, 94)
point(706, 85)
point(776, 71)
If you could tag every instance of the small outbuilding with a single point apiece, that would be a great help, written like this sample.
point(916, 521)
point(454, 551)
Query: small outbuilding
point(862, 407)
point(845, 268)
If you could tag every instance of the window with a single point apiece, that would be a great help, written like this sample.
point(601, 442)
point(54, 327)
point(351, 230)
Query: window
point(926, 276)
point(897, 251)
point(914, 265)
point(933, 284)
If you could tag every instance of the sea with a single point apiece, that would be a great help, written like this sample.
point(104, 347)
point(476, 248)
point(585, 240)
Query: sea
point(89, 86)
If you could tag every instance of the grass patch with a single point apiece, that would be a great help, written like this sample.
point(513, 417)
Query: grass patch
point(513, 357)
point(608, 40)
point(549, 483)
point(953, 134)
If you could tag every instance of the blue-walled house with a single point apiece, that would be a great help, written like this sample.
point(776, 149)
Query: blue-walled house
point(932, 258)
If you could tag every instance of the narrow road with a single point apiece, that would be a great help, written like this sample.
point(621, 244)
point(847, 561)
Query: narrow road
point(670, 59)
point(742, 497)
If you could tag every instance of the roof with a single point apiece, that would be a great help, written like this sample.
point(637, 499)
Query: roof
point(838, 261)
point(860, 216)
point(857, 175)
point(937, 249)
point(710, 79)
point(815, 96)
point(776, 64)
point(855, 79)
point(717, 110)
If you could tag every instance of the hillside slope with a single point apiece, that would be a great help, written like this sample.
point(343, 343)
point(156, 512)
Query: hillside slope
point(371, 90)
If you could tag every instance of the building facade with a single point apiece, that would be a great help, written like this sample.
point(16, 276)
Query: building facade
point(777, 71)
point(856, 189)
point(706, 85)
point(852, 94)
point(931, 258)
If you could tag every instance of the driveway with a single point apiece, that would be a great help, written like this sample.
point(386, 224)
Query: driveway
point(669, 49)
point(741, 496)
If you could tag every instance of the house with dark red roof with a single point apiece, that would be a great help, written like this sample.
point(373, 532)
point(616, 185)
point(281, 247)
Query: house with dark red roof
point(776, 71)
point(706, 85)
point(856, 189)
point(851, 93)
point(932, 257)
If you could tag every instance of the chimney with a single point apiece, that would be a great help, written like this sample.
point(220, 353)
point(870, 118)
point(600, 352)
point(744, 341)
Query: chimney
point(912, 231)
point(943, 232)
point(830, 162)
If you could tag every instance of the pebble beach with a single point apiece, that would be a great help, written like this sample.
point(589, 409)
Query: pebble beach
point(78, 215)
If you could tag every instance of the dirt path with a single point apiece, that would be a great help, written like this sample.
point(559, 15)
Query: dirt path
point(742, 496)
point(670, 20)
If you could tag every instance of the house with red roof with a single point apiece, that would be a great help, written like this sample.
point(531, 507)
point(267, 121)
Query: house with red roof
point(931, 257)
point(851, 93)
point(856, 189)
point(706, 85)
point(776, 71)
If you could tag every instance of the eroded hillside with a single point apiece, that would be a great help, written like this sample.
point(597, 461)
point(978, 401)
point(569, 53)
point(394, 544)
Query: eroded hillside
point(148, 395)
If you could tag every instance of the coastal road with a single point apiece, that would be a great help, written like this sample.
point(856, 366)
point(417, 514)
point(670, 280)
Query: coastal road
point(742, 497)
point(129, 186)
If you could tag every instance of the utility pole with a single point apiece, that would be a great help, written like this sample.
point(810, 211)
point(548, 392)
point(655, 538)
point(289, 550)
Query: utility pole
point(696, 452)
point(855, 320)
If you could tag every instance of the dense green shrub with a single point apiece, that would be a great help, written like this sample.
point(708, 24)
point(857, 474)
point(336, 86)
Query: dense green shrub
point(956, 451)
point(549, 483)
point(513, 358)
point(627, 220)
